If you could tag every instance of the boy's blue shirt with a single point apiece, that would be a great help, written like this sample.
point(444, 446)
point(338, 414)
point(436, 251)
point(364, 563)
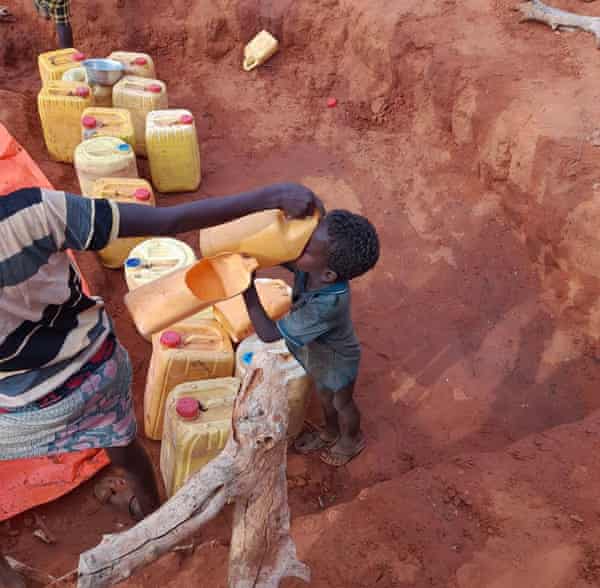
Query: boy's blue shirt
point(319, 333)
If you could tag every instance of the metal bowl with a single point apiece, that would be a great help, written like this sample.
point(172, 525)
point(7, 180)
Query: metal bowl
point(105, 72)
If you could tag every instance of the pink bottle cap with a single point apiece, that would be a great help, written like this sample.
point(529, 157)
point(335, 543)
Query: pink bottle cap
point(89, 122)
point(156, 88)
point(140, 61)
point(186, 119)
point(171, 339)
point(331, 102)
point(143, 195)
point(82, 92)
point(79, 56)
point(187, 408)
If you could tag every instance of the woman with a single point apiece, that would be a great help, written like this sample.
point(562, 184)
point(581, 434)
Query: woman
point(64, 377)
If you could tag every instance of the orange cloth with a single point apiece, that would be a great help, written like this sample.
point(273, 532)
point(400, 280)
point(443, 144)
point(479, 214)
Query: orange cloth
point(27, 483)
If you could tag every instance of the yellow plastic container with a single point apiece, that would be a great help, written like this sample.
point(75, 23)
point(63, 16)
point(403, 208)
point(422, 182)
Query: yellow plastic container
point(134, 191)
point(268, 236)
point(185, 292)
point(261, 48)
point(140, 96)
point(183, 353)
point(103, 157)
point(275, 296)
point(102, 94)
point(173, 151)
point(107, 122)
point(298, 383)
point(54, 64)
point(135, 64)
point(60, 105)
point(155, 258)
point(197, 425)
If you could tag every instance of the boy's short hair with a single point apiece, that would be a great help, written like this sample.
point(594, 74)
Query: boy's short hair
point(353, 244)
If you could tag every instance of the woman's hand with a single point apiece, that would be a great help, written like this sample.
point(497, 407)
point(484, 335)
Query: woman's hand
point(296, 200)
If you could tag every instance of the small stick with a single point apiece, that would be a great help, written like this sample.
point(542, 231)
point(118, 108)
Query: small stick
point(31, 573)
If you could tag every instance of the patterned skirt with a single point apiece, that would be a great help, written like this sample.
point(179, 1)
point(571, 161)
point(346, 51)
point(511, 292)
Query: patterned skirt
point(92, 409)
point(58, 10)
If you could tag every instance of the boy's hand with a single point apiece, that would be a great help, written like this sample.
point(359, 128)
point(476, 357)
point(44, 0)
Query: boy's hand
point(296, 200)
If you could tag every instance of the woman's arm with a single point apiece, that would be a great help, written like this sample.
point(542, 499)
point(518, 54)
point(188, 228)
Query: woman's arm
point(145, 221)
point(265, 328)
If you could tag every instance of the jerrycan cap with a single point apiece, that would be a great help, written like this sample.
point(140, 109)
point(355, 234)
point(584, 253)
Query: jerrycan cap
point(171, 339)
point(82, 92)
point(140, 61)
point(133, 262)
point(89, 122)
point(247, 357)
point(78, 56)
point(124, 147)
point(187, 408)
point(142, 194)
point(155, 88)
point(186, 119)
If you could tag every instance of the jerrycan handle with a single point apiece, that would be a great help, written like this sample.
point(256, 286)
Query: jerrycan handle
point(250, 63)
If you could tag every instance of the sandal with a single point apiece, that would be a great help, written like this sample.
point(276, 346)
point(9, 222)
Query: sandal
point(117, 493)
point(336, 457)
point(312, 439)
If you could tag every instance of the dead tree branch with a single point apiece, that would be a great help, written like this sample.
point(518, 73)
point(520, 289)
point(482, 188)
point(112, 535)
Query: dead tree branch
point(250, 470)
point(559, 19)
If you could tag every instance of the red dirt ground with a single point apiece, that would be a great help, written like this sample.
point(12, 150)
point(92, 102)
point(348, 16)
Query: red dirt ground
point(468, 139)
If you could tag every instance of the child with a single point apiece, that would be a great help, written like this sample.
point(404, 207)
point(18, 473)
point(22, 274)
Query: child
point(319, 332)
point(64, 377)
point(59, 12)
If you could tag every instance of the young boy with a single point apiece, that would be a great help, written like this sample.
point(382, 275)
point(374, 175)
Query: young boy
point(319, 331)
point(60, 12)
point(65, 381)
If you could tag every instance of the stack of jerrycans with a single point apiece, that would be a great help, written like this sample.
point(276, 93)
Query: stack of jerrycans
point(181, 354)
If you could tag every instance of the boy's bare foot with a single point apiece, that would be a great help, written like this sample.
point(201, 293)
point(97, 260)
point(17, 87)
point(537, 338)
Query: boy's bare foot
point(312, 439)
point(118, 493)
point(343, 451)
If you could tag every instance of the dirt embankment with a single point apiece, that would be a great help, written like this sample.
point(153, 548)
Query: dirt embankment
point(469, 139)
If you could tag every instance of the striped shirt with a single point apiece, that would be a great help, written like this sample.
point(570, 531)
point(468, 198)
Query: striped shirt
point(48, 327)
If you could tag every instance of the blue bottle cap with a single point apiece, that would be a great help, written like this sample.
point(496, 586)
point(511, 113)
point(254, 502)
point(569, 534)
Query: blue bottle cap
point(124, 147)
point(247, 358)
point(133, 262)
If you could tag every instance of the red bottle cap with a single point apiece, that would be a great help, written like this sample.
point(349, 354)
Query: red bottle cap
point(331, 102)
point(156, 88)
point(79, 56)
point(89, 122)
point(142, 194)
point(82, 92)
point(171, 339)
point(187, 408)
point(186, 119)
point(140, 61)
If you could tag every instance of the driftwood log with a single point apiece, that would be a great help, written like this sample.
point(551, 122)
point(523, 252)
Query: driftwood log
point(559, 19)
point(251, 471)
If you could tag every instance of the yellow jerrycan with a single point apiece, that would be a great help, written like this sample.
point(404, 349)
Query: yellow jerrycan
point(268, 236)
point(173, 151)
point(261, 48)
point(130, 190)
point(155, 258)
point(140, 96)
point(140, 65)
point(183, 353)
point(298, 383)
point(275, 296)
point(102, 94)
point(60, 105)
point(185, 292)
point(107, 122)
point(197, 425)
point(54, 64)
point(103, 157)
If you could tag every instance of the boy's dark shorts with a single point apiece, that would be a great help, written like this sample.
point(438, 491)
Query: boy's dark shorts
point(58, 10)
